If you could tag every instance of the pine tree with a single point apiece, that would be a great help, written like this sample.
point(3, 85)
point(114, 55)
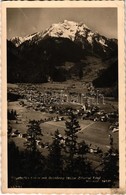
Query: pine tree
point(83, 149)
point(9, 131)
point(33, 133)
point(83, 164)
point(71, 145)
point(110, 165)
point(55, 159)
point(33, 158)
point(13, 162)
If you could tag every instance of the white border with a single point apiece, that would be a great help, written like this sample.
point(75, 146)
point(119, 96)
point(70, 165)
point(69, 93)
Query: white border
point(71, 4)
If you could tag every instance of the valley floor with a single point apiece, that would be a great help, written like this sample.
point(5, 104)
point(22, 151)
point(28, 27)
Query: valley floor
point(94, 133)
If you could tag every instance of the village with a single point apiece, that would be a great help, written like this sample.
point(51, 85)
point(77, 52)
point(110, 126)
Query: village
point(51, 106)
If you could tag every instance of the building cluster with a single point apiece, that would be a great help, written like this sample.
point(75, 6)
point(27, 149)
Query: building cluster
point(63, 101)
point(47, 98)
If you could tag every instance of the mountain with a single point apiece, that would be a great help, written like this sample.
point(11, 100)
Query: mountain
point(17, 41)
point(63, 51)
point(76, 32)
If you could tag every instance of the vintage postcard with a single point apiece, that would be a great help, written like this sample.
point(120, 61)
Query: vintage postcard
point(63, 97)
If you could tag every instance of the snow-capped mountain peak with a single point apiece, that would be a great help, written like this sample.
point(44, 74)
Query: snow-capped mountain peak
point(76, 32)
point(66, 29)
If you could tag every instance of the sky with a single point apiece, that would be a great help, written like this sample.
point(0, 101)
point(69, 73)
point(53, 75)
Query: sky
point(25, 21)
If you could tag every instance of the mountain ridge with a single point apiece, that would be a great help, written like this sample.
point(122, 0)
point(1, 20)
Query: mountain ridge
point(44, 54)
point(65, 29)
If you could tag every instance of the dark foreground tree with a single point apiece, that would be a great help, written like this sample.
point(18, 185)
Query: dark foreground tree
point(13, 162)
point(9, 130)
point(71, 145)
point(83, 164)
point(110, 171)
point(55, 158)
point(12, 114)
point(33, 158)
point(33, 135)
point(33, 164)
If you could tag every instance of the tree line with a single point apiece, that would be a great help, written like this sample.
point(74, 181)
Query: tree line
point(66, 164)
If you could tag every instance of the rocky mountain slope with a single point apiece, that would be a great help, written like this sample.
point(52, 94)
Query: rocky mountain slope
point(67, 50)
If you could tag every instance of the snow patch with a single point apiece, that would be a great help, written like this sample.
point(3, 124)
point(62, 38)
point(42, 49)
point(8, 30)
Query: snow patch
point(17, 40)
point(102, 42)
point(67, 29)
point(90, 37)
point(29, 37)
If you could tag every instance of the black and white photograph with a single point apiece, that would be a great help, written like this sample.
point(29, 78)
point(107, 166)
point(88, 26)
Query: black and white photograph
point(62, 93)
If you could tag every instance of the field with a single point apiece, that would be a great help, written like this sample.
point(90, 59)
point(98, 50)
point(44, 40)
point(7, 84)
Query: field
point(94, 133)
